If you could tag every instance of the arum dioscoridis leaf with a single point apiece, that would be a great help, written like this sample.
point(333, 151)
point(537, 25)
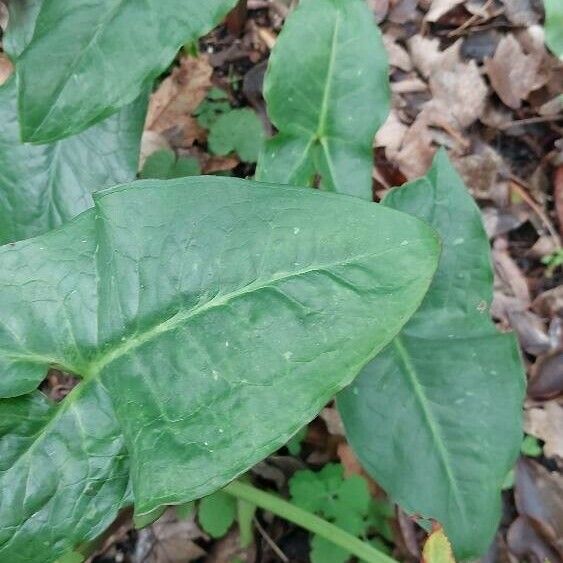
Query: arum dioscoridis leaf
point(208, 319)
point(436, 417)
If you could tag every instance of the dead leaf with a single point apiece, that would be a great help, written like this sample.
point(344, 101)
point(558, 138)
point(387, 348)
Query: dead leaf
point(178, 96)
point(402, 11)
point(546, 423)
point(6, 68)
point(513, 73)
point(333, 421)
point(539, 496)
point(547, 377)
point(459, 91)
point(510, 274)
point(211, 164)
point(417, 151)
point(392, 133)
point(398, 56)
point(525, 543)
point(426, 55)
point(530, 331)
point(169, 540)
point(480, 169)
point(520, 12)
point(439, 8)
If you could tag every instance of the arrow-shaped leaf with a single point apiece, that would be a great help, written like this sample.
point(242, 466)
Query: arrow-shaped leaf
point(327, 93)
point(209, 319)
point(43, 186)
point(436, 417)
point(88, 59)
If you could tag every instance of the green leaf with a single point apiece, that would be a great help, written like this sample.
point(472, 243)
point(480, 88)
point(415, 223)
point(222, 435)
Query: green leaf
point(216, 513)
point(294, 443)
point(554, 26)
point(531, 447)
point(240, 131)
point(164, 165)
point(209, 318)
point(345, 502)
point(93, 58)
point(327, 93)
point(436, 418)
point(42, 187)
point(215, 104)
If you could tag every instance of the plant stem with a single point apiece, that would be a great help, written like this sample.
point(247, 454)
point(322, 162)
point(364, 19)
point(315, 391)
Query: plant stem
point(305, 519)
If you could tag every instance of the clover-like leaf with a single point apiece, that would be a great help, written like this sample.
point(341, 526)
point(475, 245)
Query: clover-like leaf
point(209, 319)
point(436, 417)
point(86, 57)
point(327, 93)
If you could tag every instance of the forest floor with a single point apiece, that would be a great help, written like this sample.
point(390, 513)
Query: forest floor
point(474, 76)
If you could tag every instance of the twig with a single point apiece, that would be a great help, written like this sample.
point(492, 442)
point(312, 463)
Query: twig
point(270, 541)
point(530, 120)
point(521, 188)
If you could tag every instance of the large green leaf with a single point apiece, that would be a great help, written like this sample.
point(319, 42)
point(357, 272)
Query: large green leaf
point(436, 417)
point(209, 318)
point(43, 186)
point(91, 58)
point(327, 93)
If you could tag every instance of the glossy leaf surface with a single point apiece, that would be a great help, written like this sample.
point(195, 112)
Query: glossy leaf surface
point(87, 56)
point(436, 417)
point(210, 319)
point(42, 186)
point(327, 93)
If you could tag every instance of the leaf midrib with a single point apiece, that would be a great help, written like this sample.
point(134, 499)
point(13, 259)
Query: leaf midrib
point(184, 315)
point(433, 427)
point(91, 375)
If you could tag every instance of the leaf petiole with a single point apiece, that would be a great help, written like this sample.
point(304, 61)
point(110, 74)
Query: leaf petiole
point(311, 522)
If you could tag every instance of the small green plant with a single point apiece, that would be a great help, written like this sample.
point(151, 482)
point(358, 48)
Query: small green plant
point(209, 319)
point(346, 502)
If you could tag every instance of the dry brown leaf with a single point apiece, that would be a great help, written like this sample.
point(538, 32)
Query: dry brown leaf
point(392, 133)
point(513, 73)
point(539, 496)
point(398, 56)
point(426, 55)
point(416, 152)
point(546, 423)
point(178, 96)
point(6, 68)
point(547, 377)
point(333, 421)
point(527, 544)
point(520, 12)
point(439, 8)
point(169, 540)
point(480, 169)
point(211, 164)
point(459, 91)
